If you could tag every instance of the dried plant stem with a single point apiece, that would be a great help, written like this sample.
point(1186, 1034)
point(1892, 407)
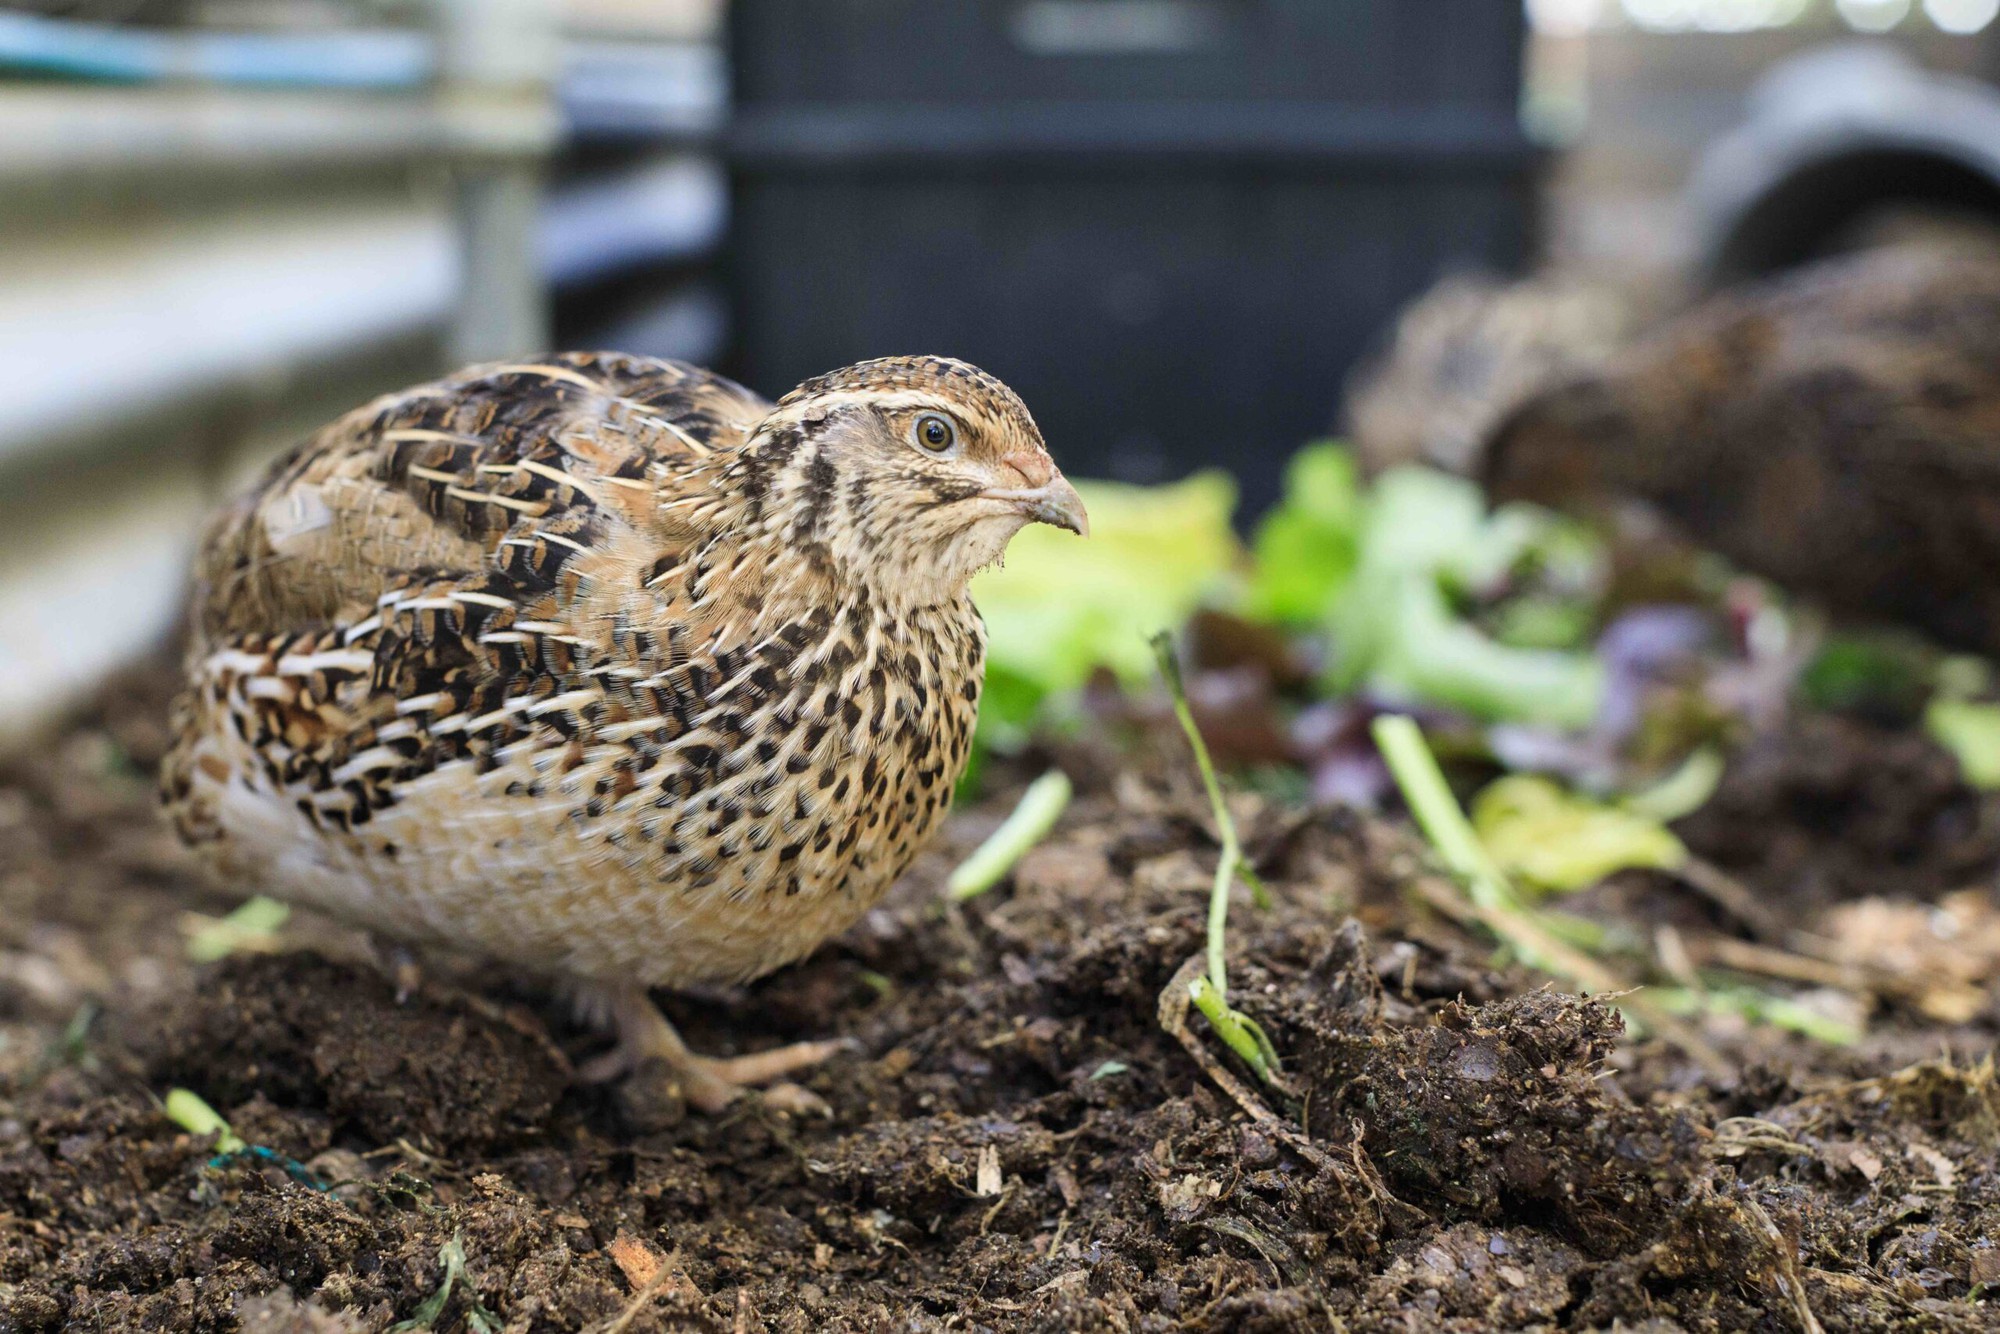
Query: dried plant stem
point(1493, 902)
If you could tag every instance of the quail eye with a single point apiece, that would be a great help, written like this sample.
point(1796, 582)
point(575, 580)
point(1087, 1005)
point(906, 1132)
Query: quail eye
point(934, 434)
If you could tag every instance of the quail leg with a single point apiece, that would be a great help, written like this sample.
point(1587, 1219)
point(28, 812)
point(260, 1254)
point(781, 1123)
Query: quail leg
point(710, 1083)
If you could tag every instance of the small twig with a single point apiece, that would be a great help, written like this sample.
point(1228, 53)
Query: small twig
point(1284, 1261)
point(1731, 895)
point(1769, 961)
point(1817, 969)
point(1736, 1136)
point(647, 1291)
point(1784, 1267)
point(1036, 813)
point(1006, 1194)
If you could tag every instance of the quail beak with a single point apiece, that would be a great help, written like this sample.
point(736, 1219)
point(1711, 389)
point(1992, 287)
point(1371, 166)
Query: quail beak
point(1055, 502)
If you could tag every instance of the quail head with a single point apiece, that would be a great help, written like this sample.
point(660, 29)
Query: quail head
point(605, 667)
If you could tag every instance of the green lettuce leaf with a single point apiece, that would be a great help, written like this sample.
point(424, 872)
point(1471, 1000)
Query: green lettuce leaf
point(1555, 840)
point(1060, 607)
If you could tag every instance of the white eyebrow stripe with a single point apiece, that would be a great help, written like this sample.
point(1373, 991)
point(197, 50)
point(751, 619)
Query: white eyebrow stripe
point(894, 400)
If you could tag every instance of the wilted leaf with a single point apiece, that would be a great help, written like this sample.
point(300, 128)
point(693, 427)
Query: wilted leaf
point(1970, 731)
point(1557, 840)
point(1951, 949)
point(1404, 642)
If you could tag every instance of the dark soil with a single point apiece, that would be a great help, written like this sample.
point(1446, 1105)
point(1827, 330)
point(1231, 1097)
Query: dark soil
point(1015, 1141)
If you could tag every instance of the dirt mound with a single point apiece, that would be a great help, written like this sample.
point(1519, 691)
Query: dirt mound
point(446, 1073)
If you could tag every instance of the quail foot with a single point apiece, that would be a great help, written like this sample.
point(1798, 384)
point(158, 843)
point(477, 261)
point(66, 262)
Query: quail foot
point(606, 668)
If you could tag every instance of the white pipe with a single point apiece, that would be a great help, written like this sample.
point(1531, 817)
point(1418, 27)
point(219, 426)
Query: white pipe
point(50, 132)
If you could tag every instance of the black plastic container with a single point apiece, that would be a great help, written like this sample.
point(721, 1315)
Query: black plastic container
point(1171, 224)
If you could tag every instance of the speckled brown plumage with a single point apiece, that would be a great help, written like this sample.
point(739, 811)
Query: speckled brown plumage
point(604, 666)
point(1468, 351)
point(1836, 428)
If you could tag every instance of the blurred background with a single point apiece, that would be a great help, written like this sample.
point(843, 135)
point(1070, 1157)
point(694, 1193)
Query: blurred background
point(1177, 226)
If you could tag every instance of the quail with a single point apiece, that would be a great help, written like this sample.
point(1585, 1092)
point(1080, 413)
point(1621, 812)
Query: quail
point(1836, 428)
point(605, 667)
point(1470, 349)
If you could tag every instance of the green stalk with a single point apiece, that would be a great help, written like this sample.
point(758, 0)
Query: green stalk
point(1032, 818)
point(1238, 1031)
point(186, 1109)
point(1437, 811)
point(1210, 994)
point(1232, 851)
